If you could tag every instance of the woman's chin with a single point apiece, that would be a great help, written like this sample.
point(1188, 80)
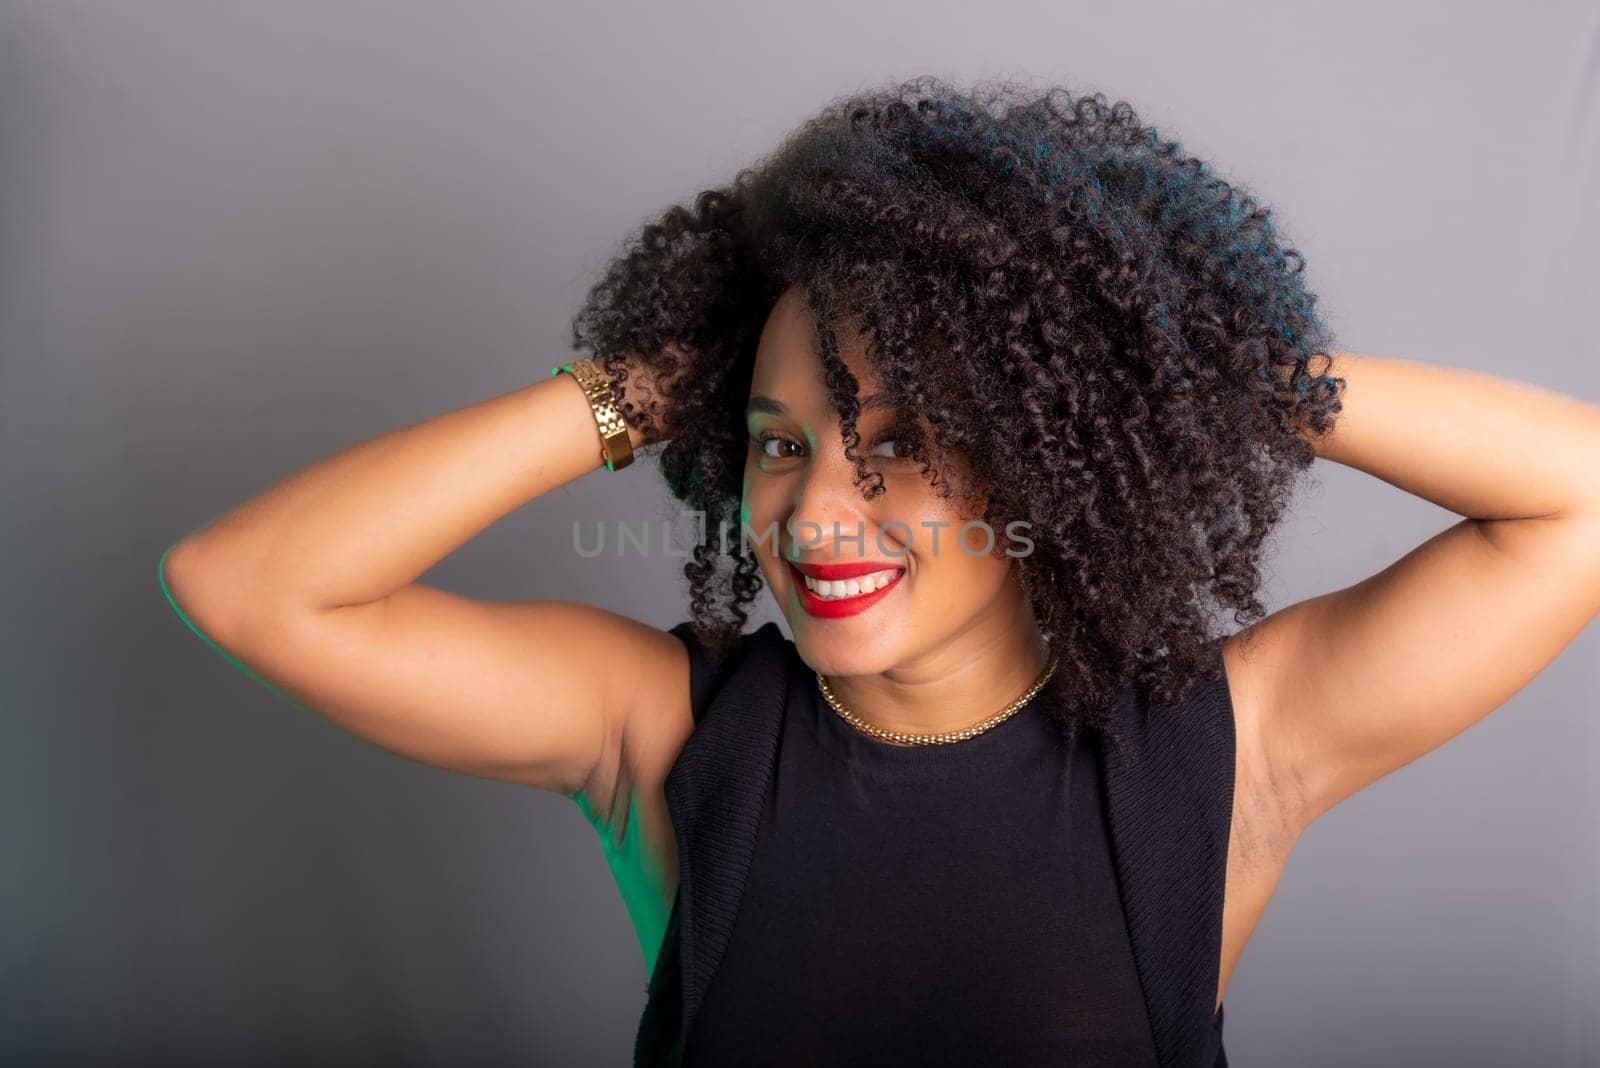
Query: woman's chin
point(853, 649)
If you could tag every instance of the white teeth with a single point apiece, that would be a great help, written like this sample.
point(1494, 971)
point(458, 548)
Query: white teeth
point(850, 587)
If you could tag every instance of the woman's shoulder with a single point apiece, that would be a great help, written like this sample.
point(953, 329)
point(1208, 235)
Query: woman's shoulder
point(752, 661)
point(1184, 745)
point(1202, 696)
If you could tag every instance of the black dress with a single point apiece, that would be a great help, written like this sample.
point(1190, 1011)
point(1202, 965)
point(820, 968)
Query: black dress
point(942, 905)
point(1008, 899)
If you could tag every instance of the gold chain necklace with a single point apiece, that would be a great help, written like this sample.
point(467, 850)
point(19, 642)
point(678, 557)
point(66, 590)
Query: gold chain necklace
point(933, 739)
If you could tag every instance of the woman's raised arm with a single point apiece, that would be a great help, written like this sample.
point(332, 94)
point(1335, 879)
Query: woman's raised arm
point(311, 587)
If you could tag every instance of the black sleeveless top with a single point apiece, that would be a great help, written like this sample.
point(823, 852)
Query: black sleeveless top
point(939, 905)
point(1008, 898)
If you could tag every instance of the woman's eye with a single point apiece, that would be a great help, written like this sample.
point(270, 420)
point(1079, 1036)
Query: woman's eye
point(773, 447)
point(881, 442)
point(767, 440)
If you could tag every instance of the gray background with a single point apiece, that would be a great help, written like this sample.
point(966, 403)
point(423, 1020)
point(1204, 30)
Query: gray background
point(235, 238)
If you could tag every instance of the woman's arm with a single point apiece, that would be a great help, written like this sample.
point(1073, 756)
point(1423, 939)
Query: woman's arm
point(355, 527)
point(311, 585)
point(1361, 681)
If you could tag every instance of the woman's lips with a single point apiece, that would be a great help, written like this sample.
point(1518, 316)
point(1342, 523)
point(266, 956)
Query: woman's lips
point(838, 607)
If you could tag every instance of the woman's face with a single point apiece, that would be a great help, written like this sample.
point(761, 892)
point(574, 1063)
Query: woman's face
point(802, 507)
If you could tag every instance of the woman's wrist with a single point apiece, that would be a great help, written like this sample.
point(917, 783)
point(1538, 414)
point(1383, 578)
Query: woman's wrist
point(615, 434)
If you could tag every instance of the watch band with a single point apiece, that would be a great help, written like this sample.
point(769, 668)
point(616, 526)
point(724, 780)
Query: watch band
point(616, 448)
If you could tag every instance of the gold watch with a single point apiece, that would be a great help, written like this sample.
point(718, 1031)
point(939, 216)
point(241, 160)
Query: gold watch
point(616, 448)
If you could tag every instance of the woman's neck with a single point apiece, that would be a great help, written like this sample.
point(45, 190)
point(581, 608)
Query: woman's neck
point(965, 680)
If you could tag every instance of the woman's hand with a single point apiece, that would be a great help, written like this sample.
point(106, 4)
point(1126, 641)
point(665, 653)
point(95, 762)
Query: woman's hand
point(652, 390)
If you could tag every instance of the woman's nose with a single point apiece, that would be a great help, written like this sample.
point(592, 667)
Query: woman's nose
point(826, 509)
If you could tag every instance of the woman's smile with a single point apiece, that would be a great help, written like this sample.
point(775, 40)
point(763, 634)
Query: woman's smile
point(830, 591)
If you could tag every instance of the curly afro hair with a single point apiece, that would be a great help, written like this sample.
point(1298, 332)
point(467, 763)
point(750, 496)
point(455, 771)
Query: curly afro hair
point(1113, 337)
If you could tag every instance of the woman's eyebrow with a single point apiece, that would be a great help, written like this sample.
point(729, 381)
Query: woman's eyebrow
point(760, 402)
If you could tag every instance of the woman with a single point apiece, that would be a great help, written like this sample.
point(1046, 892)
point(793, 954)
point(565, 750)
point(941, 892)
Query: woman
point(1005, 798)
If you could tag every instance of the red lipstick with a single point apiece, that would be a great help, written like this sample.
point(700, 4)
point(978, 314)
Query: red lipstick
point(840, 572)
point(838, 608)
